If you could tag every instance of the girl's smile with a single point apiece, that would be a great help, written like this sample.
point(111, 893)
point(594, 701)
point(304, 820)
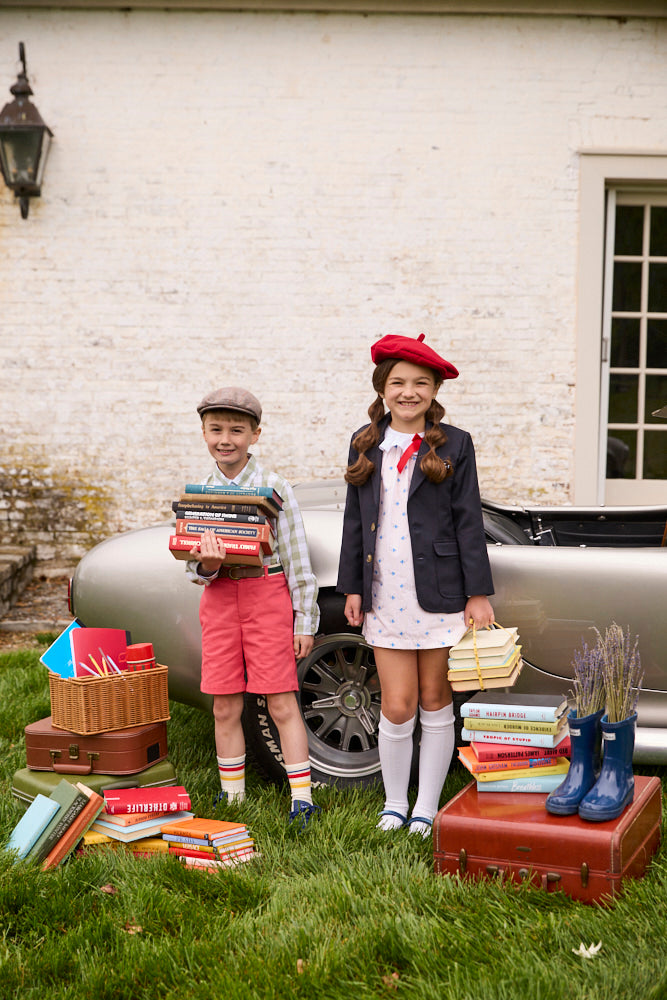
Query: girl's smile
point(408, 393)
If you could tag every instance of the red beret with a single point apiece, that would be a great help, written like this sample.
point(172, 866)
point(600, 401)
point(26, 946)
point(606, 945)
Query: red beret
point(415, 351)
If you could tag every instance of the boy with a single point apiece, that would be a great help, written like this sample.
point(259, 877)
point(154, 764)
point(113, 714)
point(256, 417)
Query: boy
point(254, 619)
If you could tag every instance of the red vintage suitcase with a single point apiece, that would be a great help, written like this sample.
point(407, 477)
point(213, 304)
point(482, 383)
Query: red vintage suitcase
point(512, 836)
point(124, 751)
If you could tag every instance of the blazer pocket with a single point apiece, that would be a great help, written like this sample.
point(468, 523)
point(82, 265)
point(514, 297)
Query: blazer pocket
point(448, 568)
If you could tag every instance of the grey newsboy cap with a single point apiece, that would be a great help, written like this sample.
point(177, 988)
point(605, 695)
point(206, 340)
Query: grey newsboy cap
point(231, 398)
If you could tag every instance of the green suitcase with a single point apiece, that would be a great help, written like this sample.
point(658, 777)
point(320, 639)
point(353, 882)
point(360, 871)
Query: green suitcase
point(26, 783)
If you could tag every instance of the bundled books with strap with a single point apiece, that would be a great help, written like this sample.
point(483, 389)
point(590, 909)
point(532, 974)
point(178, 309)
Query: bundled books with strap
point(485, 658)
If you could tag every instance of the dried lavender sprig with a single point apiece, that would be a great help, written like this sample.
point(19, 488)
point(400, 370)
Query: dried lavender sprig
point(588, 680)
point(621, 668)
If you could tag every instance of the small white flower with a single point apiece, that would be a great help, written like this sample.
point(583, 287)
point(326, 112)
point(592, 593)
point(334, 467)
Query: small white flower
point(589, 952)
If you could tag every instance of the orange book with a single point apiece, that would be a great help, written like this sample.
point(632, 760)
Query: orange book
point(209, 831)
point(468, 758)
point(77, 828)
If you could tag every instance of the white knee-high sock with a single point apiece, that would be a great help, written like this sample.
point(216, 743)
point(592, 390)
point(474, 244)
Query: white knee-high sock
point(395, 748)
point(435, 755)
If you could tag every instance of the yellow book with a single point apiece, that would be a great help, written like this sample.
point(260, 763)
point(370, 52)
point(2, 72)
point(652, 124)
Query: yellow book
point(560, 766)
point(509, 726)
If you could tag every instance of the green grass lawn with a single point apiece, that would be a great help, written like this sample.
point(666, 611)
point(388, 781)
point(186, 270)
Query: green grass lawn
point(342, 911)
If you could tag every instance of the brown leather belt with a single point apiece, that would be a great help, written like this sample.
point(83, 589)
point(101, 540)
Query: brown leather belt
point(248, 572)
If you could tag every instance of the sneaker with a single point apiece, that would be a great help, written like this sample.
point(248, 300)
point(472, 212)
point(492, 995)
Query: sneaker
point(220, 798)
point(303, 811)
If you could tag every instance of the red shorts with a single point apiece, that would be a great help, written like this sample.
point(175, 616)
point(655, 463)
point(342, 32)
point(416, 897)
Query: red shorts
point(247, 636)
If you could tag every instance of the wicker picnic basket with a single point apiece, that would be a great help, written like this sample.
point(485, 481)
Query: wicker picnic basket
point(87, 705)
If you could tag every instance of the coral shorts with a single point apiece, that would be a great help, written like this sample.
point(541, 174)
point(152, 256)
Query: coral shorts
point(247, 636)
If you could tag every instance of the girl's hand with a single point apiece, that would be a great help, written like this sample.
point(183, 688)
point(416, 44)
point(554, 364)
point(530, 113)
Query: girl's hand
point(479, 609)
point(211, 553)
point(353, 613)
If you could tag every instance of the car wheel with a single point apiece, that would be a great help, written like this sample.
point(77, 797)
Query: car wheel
point(339, 697)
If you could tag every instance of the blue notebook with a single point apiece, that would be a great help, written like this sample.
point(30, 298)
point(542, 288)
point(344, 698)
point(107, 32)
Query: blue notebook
point(26, 832)
point(58, 657)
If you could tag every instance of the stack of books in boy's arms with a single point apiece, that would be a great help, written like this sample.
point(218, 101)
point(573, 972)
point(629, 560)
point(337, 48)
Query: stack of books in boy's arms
point(242, 517)
point(208, 843)
point(135, 817)
point(518, 742)
point(53, 825)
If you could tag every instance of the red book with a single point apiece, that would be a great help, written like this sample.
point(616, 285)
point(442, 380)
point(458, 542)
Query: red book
point(238, 553)
point(97, 652)
point(505, 751)
point(229, 533)
point(470, 760)
point(216, 854)
point(77, 828)
point(168, 798)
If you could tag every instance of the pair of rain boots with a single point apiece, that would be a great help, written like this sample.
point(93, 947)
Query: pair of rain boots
point(598, 792)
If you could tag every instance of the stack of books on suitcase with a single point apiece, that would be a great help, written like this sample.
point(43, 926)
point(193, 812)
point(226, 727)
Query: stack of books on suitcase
point(518, 742)
point(242, 517)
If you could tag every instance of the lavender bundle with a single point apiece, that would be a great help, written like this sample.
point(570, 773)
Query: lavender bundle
point(621, 670)
point(588, 680)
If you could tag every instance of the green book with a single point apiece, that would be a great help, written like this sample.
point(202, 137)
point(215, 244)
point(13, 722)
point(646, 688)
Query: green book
point(71, 801)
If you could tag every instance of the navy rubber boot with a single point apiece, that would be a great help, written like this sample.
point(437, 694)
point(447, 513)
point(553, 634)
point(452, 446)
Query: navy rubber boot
point(615, 788)
point(584, 765)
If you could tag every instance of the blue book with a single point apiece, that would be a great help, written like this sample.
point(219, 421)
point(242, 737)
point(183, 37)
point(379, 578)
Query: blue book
point(237, 493)
point(58, 657)
point(540, 783)
point(39, 814)
point(137, 831)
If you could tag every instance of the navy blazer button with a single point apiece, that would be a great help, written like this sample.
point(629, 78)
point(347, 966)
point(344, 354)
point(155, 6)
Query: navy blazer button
point(373, 526)
point(369, 558)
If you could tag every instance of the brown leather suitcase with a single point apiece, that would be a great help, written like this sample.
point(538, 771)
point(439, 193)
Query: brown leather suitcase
point(512, 837)
point(123, 751)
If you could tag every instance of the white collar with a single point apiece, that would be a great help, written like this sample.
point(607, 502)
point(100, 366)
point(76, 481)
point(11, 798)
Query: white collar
point(395, 438)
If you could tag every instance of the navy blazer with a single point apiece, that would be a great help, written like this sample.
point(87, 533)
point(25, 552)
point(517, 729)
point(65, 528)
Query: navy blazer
point(446, 529)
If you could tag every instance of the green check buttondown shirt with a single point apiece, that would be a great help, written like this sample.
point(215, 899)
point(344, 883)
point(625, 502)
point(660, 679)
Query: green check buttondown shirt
point(291, 548)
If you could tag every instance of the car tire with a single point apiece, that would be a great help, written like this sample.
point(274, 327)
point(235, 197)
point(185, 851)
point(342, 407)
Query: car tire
point(339, 698)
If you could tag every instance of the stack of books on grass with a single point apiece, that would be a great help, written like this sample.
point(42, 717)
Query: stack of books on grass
point(135, 817)
point(53, 825)
point(485, 658)
point(209, 843)
point(518, 742)
point(240, 516)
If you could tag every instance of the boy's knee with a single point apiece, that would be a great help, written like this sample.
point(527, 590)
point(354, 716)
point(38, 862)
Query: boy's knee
point(227, 707)
point(282, 707)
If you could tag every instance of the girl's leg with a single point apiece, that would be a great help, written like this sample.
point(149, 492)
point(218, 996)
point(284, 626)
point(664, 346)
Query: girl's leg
point(230, 744)
point(397, 670)
point(436, 716)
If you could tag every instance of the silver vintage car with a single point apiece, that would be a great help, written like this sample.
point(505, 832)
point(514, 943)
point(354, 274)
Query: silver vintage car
point(559, 572)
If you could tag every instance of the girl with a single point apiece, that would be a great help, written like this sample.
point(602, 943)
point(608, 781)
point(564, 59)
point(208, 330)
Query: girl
point(413, 564)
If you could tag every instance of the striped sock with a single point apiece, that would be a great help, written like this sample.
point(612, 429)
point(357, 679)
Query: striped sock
point(232, 777)
point(298, 776)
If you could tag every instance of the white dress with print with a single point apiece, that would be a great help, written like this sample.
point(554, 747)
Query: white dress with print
point(396, 620)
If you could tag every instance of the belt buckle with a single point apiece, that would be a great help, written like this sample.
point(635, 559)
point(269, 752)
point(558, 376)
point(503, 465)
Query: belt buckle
point(233, 570)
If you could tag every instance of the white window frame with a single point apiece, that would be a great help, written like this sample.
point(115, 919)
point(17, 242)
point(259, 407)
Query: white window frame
point(600, 171)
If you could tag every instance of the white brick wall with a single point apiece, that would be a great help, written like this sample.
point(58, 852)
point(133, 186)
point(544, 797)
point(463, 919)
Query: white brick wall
point(255, 198)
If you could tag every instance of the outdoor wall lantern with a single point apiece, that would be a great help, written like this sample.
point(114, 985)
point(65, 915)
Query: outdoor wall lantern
point(24, 142)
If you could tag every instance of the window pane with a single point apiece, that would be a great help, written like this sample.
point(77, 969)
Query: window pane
point(623, 399)
point(628, 238)
point(621, 454)
point(656, 397)
point(658, 242)
point(655, 455)
point(657, 288)
point(656, 343)
point(627, 287)
point(624, 343)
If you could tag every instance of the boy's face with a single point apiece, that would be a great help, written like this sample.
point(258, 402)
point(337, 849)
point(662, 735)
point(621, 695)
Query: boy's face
point(228, 437)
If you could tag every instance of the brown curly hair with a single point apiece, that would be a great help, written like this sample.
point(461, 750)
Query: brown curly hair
point(433, 467)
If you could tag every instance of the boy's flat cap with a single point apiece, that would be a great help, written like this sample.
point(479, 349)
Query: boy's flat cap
point(414, 350)
point(231, 398)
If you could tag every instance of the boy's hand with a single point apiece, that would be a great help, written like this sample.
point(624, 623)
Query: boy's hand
point(211, 552)
point(302, 645)
point(353, 613)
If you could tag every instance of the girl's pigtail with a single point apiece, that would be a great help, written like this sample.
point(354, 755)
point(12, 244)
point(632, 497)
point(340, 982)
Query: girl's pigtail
point(434, 468)
point(361, 470)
